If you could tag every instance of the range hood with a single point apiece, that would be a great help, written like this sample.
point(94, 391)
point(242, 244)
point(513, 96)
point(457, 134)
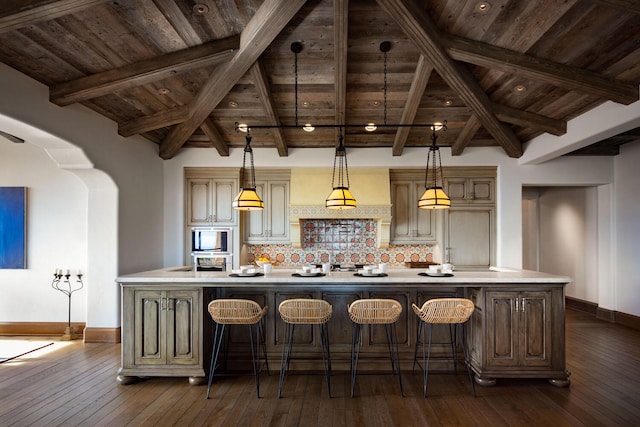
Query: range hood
point(309, 188)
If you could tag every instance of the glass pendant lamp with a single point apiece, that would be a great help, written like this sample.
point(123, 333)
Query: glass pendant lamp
point(248, 199)
point(434, 196)
point(340, 197)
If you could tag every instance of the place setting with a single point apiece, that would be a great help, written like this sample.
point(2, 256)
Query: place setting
point(309, 271)
point(438, 270)
point(373, 271)
point(246, 271)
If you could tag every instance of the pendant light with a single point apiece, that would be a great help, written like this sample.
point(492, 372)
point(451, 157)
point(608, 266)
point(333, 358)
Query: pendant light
point(247, 199)
point(340, 197)
point(434, 196)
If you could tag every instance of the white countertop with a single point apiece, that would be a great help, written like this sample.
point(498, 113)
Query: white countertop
point(183, 275)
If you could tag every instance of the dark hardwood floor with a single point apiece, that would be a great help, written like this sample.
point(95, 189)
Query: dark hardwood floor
point(71, 383)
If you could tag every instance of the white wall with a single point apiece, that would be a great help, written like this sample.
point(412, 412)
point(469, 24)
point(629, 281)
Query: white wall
point(122, 208)
point(627, 230)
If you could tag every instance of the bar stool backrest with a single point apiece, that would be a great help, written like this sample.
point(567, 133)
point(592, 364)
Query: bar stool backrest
point(445, 310)
point(305, 311)
point(236, 311)
point(375, 310)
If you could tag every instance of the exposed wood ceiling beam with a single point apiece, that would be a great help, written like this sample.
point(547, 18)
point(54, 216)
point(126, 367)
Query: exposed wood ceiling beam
point(423, 32)
point(418, 86)
point(465, 136)
point(154, 121)
point(179, 21)
point(554, 73)
point(261, 83)
point(528, 119)
point(145, 71)
point(625, 5)
point(265, 25)
point(340, 37)
point(17, 14)
point(210, 129)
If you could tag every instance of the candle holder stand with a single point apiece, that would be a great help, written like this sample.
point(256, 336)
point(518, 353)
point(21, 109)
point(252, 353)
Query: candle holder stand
point(63, 284)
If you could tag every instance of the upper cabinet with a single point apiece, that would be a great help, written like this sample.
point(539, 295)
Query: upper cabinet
point(209, 196)
point(471, 186)
point(409, 224)
point(270, 225)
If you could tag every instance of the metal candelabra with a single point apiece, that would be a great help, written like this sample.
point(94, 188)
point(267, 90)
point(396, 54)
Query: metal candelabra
point(63, 284)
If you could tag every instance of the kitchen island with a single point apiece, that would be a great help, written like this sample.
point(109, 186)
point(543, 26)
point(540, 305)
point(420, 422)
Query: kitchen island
point(516, 330)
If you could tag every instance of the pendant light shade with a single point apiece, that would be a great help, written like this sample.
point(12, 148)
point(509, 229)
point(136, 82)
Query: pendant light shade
point(434, 196)
point(247, 199)
point(340, 197)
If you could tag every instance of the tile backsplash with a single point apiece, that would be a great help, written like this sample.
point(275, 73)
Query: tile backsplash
point(339, 241)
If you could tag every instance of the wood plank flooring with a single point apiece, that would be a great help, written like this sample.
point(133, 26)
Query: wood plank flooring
point(73, 384)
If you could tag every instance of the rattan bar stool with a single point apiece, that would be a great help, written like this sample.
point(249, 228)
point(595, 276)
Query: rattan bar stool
point(304, 311)
point(374, 311)
point(238, 312)
point(452, 311)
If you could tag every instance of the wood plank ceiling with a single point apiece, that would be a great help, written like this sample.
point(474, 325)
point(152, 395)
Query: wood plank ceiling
point(182, 73)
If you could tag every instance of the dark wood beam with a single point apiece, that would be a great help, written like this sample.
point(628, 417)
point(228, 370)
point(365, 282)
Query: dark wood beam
point(210, 129)
point(550, 72)
point(15, 14)
point(261, 83)
point(465, 136)
point(340, 37)
point(145, 71)
point(632, 6)
point(426, 36)
point(532, 120)
point(179, 21)
point(155, 121)
point(264, 26)
point(418, 86)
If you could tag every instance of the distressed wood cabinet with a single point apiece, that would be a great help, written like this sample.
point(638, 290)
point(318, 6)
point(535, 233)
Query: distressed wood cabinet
point(161, 331)
point(209, 194)
point(270, 225)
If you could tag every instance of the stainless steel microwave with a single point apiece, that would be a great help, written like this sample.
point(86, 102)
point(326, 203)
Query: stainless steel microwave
point(211, 240)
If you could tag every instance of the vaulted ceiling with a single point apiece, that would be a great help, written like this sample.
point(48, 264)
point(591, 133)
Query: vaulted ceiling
point(183, 73)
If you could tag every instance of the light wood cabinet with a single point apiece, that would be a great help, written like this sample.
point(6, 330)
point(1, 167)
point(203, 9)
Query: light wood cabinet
point(469, 240)
point(161, 331)
point(270, 225)
point(470, 190)
point(410, 224)
point(209, 195)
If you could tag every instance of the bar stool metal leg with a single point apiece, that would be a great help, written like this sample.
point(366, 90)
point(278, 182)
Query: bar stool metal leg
point(215, 351)
point(326, 354)
point(286, 354)
point(356, 344)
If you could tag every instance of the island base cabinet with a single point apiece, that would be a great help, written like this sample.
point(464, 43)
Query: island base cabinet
point(517, 334)
point(161, 334)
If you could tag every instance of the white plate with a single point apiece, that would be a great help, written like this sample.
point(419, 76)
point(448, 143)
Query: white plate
point(312, 273)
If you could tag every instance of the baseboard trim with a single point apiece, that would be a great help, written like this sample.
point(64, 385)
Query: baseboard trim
point(600, 313)
point(39, 328)
point(580, 305)
point(108, 335)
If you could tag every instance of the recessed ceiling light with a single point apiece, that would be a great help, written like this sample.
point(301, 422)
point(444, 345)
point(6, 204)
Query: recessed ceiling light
point(520, 89)
point(163, 91)
point(370, 127)
point(448, 102)
point(483, 6)
point(200, 9)
point(308, 127)
point(233, 104)
point(376, 103)
point(306, 103)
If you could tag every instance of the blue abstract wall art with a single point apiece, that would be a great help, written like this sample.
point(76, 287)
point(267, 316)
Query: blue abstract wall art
point(13, 206)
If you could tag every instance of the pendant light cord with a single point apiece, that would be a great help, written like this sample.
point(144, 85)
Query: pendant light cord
point(252, 174)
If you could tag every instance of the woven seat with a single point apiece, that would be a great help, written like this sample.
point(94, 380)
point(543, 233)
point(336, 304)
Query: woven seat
point(304, 311)
point(450, 311)
point(238, 312)
point(374, 311)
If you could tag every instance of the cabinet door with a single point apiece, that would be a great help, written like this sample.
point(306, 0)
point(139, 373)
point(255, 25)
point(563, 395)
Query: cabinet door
point(470, 190)
point(149, 328)
point(278, 209)
point(502, 329)
point(256, 221)
point(183, 326)
point(223, 195)
point(535, 338)
point(409, 223)
point(469, 240)
point(199, 203)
